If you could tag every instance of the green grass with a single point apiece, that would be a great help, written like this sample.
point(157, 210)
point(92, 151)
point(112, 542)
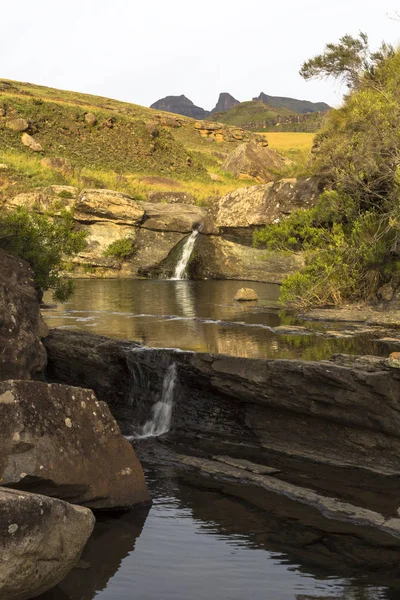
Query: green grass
point(142, 143)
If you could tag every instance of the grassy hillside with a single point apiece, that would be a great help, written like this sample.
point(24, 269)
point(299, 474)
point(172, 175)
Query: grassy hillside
point(258, 116)
point(124, 146)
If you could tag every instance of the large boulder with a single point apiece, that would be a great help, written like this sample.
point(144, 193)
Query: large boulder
point(108, 205)
point(172, 217)
point(22, 354)
point(61, 441)
point(253, 161)
point(41, 540)
point(53, 197)
point(259, 205)
point(17, 124)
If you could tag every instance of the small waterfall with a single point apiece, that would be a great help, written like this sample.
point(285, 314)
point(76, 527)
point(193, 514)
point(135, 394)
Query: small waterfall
point(187, 250)
point(162, 410)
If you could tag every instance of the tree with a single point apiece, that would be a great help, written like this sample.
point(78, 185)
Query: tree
point(44, 241)
point(350, 60)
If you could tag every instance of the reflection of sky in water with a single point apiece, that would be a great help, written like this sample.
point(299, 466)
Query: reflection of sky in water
point(197, 315)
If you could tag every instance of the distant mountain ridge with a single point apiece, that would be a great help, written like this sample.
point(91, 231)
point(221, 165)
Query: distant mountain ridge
point(181, 105)
point(263, 112)
point(292, 104)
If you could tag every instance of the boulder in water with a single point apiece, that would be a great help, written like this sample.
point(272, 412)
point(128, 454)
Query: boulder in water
point(245, 294)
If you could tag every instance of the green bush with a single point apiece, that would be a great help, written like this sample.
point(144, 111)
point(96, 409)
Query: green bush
point(44, 241)
point(121, 250)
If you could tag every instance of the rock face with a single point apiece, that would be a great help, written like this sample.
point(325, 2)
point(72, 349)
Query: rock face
point(108, 205)
point(41, 540)
point(225, 102)
point(253, 161)
point(260, 205)
point(157, 228)
point(341, 412)
point(181, 106)
point(60, 441)
point(22, 354)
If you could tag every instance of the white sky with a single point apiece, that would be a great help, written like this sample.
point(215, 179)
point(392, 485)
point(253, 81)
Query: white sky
point(140, 51)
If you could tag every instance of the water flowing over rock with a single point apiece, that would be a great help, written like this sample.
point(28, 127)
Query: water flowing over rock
point(160, 421)
point(22, 354)
point(61, 441)
point(187, 249)
point(41, 540)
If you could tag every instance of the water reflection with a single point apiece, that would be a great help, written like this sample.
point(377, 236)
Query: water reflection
point(199, 316)
point(198, 543)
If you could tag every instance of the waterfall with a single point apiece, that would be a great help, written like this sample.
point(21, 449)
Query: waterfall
point(162, 410)
point(187, 250)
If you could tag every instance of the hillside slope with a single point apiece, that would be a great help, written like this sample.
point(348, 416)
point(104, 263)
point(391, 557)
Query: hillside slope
point(50, 136)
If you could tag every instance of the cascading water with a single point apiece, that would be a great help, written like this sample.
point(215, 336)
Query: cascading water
point(180, 269)
point(162, 410)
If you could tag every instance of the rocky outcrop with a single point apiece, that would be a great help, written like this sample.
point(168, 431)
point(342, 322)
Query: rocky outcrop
point(225, 102)
point(22, 354)
point(172, 217)
point(343, 412)
point(41, 540)
point(157, 229)
point(61, 441)
point(181, 106)
point(242, 210)
point(252, 161)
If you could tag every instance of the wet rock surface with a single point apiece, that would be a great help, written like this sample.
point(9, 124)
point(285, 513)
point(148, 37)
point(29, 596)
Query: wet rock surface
point(41, 540)
point(22, 354)
point(61, 441)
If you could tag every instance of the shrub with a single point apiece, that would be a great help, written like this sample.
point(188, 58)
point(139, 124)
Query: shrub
point(121, 250)
point(44, 241)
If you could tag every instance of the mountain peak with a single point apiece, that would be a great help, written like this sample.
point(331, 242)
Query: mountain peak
point(225, 102)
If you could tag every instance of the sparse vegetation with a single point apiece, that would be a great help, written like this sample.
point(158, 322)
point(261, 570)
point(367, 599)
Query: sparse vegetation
point(121, 250)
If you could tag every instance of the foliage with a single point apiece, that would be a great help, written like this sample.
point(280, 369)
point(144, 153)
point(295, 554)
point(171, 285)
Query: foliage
point(350, 238)
point(350, 60)
point(122, 249)
point(44, 241)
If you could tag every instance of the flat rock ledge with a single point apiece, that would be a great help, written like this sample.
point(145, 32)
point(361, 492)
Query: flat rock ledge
point(41, 540)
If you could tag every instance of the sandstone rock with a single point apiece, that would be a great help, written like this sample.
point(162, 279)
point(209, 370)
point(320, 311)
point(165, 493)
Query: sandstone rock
point(216, 257)
point(245, 294)
point(253, 160)
point(107, 205)
point(57, 163)
point(172, 217)
point(3, 167)
point(171, 197)
point(264, 204)
point(41, 540)
point(17, 124)
point(22, 354)
point(43, 199)
point(60, 441)
point(215, 177)
point(31, 143)
point(90, 119)
point(386, 292)
point(208, 126)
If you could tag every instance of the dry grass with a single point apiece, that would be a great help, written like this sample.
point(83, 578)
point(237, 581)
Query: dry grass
point(290, 141)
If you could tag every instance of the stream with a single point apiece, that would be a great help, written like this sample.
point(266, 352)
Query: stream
point(197, 542)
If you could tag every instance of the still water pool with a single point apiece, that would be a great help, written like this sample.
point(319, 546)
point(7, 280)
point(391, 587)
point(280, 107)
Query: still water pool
point(202, 316)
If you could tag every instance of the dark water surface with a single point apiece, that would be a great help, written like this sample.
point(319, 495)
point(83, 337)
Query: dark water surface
point(201, 316)
point(196, 544)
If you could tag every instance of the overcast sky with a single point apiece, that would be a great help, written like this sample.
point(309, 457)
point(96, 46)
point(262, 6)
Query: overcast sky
point(141, 50)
